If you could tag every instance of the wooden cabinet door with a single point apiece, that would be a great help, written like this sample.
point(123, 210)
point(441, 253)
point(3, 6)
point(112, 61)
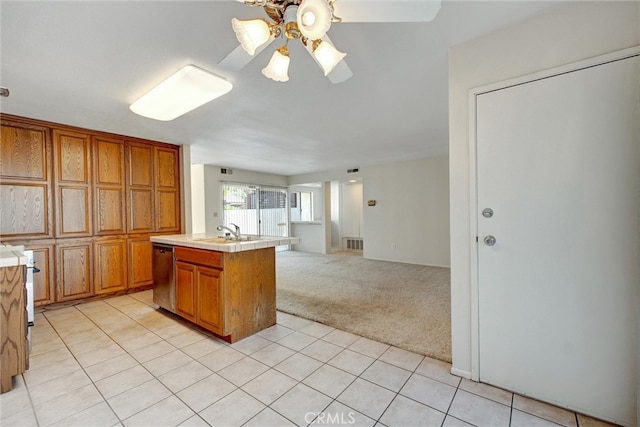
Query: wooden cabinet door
point(25, 181)
point(73, 183)
point(23, 151)
point(73, 275)
point(110, 268)
point(24, 210)
point(167, 180)
point(168, 214)
point(210, 299)
point(43, 280)
point(167, 167)
point(108, 160)
point(140, 261)
point(186, 290)
point(140, 188)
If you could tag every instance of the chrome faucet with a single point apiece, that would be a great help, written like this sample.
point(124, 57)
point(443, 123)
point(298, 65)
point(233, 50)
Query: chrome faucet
point(235, 233)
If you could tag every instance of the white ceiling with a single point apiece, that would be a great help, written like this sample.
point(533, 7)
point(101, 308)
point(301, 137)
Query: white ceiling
point(83, 62)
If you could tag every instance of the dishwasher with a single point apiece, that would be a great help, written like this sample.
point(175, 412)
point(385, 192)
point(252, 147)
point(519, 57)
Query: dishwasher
point(164, 291)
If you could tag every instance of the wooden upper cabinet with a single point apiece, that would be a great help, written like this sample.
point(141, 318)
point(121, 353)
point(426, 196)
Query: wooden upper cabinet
point(24, 152)
point(73, 163)
point(140, 165)
point(140, 186)
point(108, 161)
point(167, 189)
point(25, 181)
point(153, 188)
point(109, 182)
point(167, 167)
point(72, 159)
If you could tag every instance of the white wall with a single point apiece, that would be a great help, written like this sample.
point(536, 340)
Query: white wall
point(412, 209)
point(410, 221)
point(311, 237)
point(198, 221)
point(351, 210)
point(335, 214)
point(571, 33)
point(213, 196)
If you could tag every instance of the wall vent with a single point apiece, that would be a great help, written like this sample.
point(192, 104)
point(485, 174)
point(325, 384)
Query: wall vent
point(226, 171)
point(352, 244)
point(354, 170)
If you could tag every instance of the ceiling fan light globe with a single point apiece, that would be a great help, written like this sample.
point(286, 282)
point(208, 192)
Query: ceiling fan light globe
point(278, 66)
point(251, 34)
point(308, 18)
point(314, 18)
point(327, 56)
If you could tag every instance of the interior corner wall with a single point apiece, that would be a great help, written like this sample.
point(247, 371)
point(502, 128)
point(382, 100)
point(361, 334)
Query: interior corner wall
point(213, 195)
point(573, 32)
point(410, 220)
point(198, 221)
point(186, 209)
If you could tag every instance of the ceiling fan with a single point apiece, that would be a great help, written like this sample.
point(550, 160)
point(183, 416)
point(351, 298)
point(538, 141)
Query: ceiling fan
point(309, 21)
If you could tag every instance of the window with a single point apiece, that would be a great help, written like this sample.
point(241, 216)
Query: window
point(306, 202)
point(302, 206)
point(257, 209)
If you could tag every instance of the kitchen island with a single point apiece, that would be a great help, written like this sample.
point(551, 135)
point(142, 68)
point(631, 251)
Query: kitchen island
point(225, 286)
point(14, 348)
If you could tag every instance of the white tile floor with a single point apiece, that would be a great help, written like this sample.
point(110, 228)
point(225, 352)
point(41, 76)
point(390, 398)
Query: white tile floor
point(120, 361)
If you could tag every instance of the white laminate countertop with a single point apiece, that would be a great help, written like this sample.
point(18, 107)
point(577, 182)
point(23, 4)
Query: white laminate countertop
point(211, 242)
point(11, 256)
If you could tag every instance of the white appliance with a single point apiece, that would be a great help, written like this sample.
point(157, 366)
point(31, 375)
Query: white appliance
point(31, 269)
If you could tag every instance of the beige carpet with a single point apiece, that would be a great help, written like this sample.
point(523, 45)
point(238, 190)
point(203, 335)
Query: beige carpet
point(405, 305)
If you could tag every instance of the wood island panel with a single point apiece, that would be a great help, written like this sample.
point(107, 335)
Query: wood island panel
point(250, 292)
point(14, 357)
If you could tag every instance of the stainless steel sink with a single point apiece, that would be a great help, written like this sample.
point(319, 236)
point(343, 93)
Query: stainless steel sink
point(217, 240)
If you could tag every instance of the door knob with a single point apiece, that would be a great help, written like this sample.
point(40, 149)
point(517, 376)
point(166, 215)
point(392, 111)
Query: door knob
point(489, 240)
point(487, 213)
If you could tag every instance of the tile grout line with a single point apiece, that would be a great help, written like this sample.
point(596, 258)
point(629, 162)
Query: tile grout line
point(127, 352)
point(269, 367)
point(105, 400)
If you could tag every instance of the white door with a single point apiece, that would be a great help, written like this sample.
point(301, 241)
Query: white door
point(557, 163)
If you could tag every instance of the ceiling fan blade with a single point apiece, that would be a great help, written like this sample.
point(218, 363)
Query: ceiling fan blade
point(386, 10)
point(238, 58)
point(340, 73)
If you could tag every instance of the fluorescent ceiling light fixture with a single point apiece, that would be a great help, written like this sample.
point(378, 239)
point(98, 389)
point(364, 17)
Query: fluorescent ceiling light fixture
point(186, 90)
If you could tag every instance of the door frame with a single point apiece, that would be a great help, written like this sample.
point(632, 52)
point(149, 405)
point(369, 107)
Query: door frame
point(473, 189)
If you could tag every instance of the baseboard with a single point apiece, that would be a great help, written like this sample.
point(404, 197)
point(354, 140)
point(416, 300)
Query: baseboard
point(461, 373)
